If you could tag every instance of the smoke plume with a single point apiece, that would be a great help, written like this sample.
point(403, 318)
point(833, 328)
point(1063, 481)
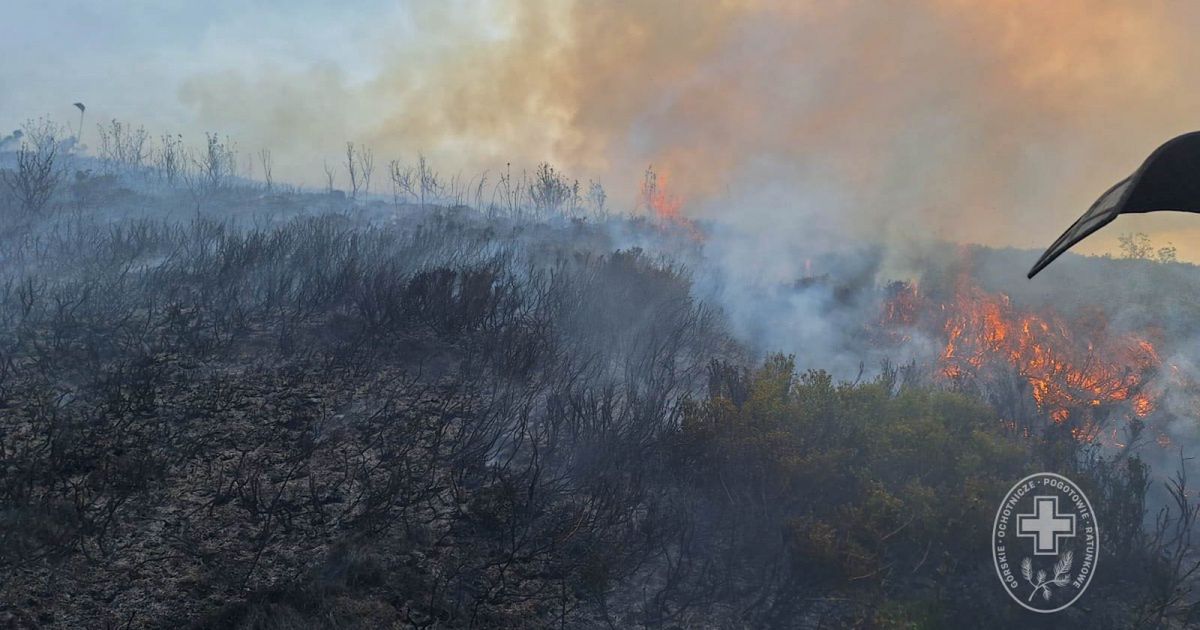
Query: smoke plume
point(992, 122)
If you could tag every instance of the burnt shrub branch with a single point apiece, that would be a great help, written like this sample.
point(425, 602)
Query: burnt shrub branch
point(456, 420)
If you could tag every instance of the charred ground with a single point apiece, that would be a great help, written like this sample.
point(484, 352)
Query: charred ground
point(227, 407)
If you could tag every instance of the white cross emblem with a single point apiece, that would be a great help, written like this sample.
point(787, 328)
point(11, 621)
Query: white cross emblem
point(1045, 526)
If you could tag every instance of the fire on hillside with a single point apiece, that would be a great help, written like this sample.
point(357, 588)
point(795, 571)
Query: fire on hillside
point(1083, 372)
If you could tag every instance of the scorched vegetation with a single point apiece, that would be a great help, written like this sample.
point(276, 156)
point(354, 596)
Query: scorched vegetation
point(233, 405)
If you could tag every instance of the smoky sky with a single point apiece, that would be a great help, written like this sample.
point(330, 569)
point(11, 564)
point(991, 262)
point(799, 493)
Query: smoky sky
point(991, 122)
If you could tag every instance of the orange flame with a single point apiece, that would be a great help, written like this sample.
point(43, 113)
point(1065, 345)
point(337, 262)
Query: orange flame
point(658, 197)
point(666, 206)
point(1068, 372)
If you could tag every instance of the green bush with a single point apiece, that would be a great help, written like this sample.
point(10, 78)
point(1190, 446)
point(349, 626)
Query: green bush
point(875, 495)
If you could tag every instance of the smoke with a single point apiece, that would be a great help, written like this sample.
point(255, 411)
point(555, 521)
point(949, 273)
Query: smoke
point(994, 122)
point(792, 128)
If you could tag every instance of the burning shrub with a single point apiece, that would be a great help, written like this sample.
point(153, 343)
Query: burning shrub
point(1083, 373)
point(203, 421)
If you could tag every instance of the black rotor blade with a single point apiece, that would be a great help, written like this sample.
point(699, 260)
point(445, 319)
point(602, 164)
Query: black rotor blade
point(1099, 215)
point(1168, 180)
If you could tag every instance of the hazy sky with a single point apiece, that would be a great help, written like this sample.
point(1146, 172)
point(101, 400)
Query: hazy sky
point(994, 122)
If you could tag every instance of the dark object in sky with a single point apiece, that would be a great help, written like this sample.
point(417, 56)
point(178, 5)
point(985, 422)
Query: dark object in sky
point(1168, 180)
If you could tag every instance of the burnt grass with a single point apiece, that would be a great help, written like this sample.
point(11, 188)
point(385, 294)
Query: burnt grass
point(292, 411)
